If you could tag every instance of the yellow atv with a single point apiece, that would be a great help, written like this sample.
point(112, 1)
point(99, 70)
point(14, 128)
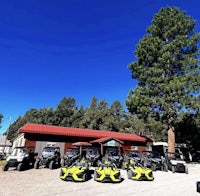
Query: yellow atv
point(138, 172)
point(77, 172)
point(107, 172)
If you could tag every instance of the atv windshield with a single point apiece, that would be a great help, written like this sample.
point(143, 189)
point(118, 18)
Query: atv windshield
point(151, 154)
point(113, 153)
point(134, 154)
point(155, 154)
point(72, 152)
point(49, 149)
point(93, 152)
point(18, 151)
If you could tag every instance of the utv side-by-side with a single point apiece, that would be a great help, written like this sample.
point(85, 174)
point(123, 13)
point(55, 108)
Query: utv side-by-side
point(136, 171)
point(154, 161)
point(107, 171)
point(22, 158)
point(49, 158)
point(77, 172)
point(71, 155)
point(92, 155)
point(114, 155)
point(131, 155)
point(175, 163)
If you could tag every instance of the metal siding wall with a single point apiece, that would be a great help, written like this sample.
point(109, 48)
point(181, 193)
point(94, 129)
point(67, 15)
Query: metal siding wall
point(41, 144)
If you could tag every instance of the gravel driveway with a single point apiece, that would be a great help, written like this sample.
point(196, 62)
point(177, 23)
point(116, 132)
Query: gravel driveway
point(47, 182)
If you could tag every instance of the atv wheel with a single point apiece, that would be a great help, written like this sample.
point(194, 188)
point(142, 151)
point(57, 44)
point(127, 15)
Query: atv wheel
point(84, 177)
point(186, 170)
point(36, 164)
point(20, 167)
point(95, 174)
point(129, 174)
point(62, 162)
point(51, 165)
point(165, 168)
point(61, 173)
point(5, 167)
point(173, 169)
point(123, 165)
point(153, 166)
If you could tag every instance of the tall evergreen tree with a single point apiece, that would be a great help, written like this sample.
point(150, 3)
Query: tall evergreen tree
point(166, 69)
point(64, 111)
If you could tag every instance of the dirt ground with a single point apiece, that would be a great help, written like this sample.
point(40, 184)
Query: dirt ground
point(43, 182)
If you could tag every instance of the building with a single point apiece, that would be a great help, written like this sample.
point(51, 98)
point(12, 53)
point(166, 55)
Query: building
point(41, 135)
point(5, 145)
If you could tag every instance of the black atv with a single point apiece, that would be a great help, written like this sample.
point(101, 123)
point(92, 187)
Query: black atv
point(22, 158)
point(154, 161)
point(71, 155)
point(49, 158)
point(92, 155)
point(114, 155)
point(131, 155)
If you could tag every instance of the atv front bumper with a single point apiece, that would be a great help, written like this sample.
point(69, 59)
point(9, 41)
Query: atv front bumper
point(77, 176)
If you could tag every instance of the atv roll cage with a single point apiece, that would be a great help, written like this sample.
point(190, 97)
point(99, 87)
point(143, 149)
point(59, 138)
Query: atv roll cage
point(175, 162)
point(92, 155)
point(71, 155)
point(153, 160)
point(50, 158)
point(114, 155)
point(22, 157)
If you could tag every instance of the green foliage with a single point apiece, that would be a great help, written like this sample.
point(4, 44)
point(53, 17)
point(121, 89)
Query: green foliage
point(188, 130)
point(166, 70)
point(98, 116)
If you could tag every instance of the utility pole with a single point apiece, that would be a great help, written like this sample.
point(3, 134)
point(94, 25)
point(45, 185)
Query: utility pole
point(6, 135)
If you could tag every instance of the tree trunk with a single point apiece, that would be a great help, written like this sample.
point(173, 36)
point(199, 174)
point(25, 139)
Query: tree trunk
point(171, 140)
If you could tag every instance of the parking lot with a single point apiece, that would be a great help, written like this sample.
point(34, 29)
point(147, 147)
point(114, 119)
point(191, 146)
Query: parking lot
point(47, 182)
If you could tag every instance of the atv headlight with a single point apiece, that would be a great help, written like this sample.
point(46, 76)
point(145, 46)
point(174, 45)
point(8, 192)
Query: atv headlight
point(20, 159)
point(151, 174)
point(80, 175)
point(8, 159)
point(98, 175)
point(117, 175)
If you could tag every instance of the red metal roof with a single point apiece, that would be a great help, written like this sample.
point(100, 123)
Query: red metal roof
point(81, 144)
point(78, 132)
point(106, 139)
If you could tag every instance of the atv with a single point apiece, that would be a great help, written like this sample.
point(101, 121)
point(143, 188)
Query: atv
point(71, 155)
point(154, 161)
point(22, 158)
point(107, 172)
point(136, 171)
point(77, 172)
point(50, 158)
point(92, 155)
point(175, 163)
point(113, 154)
point(131, 154)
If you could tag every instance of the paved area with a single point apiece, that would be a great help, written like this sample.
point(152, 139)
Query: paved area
point(43, 182)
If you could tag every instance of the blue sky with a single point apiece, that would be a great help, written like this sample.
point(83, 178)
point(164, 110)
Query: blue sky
point(80, 48)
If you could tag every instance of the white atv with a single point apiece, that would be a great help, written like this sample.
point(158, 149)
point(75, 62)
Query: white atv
point(175, 163)
point(22, 158)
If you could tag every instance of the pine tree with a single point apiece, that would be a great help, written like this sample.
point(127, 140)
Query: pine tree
point(166, 70)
